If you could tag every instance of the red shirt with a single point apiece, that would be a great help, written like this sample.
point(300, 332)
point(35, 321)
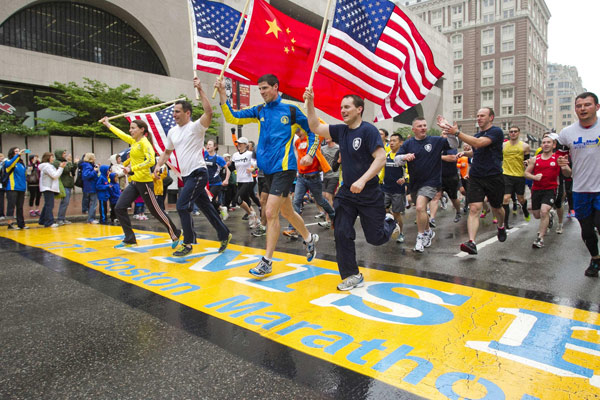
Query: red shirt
point(550, 171)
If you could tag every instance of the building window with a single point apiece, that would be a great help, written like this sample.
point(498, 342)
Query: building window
point(487, 73)
point(487, 41)
point(507, 110)
point(508, 93)
point(458, 100)
point(457, 9)
point(458, 70)
point(436, 14)
point(508, 37)
point(508, 13)
point(458, 54)
point(487, 98)
point(488, 17)
point(458, 85)
point(550, 93)
point(564, 100)
point(505, 126)
point(508, 70)
point(456, 115)
point(81, 32)
point(456, 24)
point(487, 81)
point(565, 108)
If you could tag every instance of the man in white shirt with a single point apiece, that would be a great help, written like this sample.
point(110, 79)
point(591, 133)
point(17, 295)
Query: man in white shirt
point(187, 137)
point(245, 165)
point(582, 139)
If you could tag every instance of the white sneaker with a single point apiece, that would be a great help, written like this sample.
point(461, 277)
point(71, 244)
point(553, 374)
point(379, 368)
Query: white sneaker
point(54, 225)
point(224, 213)
point(427, 237)
point(253, 220)
point(94, 221)
point(419, 247)
point(351, 282)
point(559, 228)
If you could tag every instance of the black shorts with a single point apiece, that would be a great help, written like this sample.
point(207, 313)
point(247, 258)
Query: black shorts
point(539, 197)
point(330, 185)
point(560, 193)
point(280, 183)
point(262, 185)
point(490, 186)
point(450, 185)
point(514, 184)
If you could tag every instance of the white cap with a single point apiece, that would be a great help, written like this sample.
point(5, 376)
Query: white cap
point(226, 155)
point(243, 140)
point(553, 136)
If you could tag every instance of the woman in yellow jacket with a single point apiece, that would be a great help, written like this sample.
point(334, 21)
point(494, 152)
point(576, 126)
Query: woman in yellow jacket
point(142, 158)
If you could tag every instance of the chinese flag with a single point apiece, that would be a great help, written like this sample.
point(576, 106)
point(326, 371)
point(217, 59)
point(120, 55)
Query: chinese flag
point(279, 45)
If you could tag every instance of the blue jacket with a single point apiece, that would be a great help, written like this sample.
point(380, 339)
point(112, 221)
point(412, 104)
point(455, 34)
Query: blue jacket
point(275, 148)
point(102, 185)
point(16, 179)
point(90, 176)
point(115, 189)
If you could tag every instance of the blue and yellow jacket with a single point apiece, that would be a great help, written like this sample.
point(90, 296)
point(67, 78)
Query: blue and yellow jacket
point(16, 179)
point(276, 129)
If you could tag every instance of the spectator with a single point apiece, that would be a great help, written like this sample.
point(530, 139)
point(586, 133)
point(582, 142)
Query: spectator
point(67, 179)
point(33, 185)
point(115, 193)
point(159, 187)
point(102, 191)
point(89, 173)
point(117, 167)
point(49, 187)
point(15, 187)
point(2, 191)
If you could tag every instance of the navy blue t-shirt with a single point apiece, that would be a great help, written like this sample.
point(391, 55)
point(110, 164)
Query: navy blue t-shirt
point(487, 161)
point(356, 147)
point(426, 168)
point(391, 175)
point(214, 165)
point(449, 168)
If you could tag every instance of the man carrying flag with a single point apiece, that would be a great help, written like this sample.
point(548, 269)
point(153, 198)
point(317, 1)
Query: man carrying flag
point(275, 155)
point(187, 138)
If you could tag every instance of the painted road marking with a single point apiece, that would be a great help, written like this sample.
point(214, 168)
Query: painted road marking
point(436, 339)
point(490, 241)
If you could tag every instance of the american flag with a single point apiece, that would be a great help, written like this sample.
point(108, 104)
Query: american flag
point(159, 124)
point(375, 49)
point(215, 25)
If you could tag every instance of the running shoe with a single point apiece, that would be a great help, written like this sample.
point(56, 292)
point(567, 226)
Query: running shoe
point(253, 220)
point(259, 231)
point(559, 228)
point(94, 221)
point(245, 217)
point(196, 213)
point(515, 207)
point(325, 224)
point(183, 250)
point(538, 243)
point(592, 269)
point(432, 222)
point(15, 227)
point(225, 243)
point(291, 233)
point(483, 214)
point(311, 246)
point(54, 225)
point(401, 238)
point(427, 238)
point(176, 242)
point(263, 268)
point(223, 212)
point(444, 202)
point(123, 245)
point(32, 213)
point(571, 214)
point(351, 282)
point(469, 247)
point(396, 233)
point(419, 245)
point(501, 234)
point(457, 217)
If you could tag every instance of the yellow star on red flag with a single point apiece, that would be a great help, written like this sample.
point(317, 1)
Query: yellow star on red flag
point(273, 28)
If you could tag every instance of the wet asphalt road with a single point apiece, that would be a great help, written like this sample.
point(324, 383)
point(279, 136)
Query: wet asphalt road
point(71, 332)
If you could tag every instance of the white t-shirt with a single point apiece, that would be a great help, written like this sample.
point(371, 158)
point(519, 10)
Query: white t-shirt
point(242, 163)
point(188, 143)
point(584, 147)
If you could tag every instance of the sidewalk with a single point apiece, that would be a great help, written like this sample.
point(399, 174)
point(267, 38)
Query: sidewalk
point(74, 213)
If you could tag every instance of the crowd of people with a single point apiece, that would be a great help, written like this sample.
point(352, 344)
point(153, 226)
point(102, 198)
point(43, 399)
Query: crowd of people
point(347, 170)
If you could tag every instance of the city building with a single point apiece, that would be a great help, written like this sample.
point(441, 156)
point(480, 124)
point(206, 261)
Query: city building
point(499, 52)
point(143, 43)
point(564, 84)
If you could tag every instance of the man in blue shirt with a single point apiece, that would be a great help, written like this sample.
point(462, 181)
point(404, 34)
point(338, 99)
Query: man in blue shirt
point(393, 182)
point(485, 176)
point(363, 156)
point(423, 154)
point(275, 155)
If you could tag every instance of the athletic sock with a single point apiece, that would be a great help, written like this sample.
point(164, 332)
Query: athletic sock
point(506, 213)
point(267, 260)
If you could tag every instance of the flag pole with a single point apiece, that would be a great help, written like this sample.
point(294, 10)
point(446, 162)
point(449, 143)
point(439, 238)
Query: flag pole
point(237, 31)
point(146, 108)
point(318, 53)
point(192, 30)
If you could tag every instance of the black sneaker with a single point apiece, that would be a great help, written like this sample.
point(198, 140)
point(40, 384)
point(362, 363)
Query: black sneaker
point(592, 270)
point(224, 243)
point(501, 234)
point(245, 217)
point(469, 247)
point(183, 250)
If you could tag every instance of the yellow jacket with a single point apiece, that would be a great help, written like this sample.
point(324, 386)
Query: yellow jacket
point(142, 156)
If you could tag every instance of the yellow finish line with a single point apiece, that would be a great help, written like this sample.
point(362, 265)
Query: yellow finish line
point(436, 339)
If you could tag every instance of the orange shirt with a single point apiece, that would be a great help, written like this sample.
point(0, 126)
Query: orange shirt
point(319, 162)
point(463, 165)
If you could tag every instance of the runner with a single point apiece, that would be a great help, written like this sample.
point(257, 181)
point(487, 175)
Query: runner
point(394, 184)
point(514, 155)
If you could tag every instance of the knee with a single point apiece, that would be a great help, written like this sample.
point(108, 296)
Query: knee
point(421, 208)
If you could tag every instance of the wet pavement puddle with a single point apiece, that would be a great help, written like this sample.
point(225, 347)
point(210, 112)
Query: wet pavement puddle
point(431, 338)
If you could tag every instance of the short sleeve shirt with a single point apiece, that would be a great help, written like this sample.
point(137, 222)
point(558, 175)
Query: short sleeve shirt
point(426, 168)
point(356, 148)
point(214, 165)
point(487, 161)
point(188, 143)
point(242, 162)
point(449, 168)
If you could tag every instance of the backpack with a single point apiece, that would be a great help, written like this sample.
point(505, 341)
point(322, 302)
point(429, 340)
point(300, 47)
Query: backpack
point(79, 179)
point(4, 175)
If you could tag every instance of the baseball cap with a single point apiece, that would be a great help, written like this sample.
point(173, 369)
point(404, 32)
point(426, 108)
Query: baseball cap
point(243, 140)
point(553, 136)
point(226, 155)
